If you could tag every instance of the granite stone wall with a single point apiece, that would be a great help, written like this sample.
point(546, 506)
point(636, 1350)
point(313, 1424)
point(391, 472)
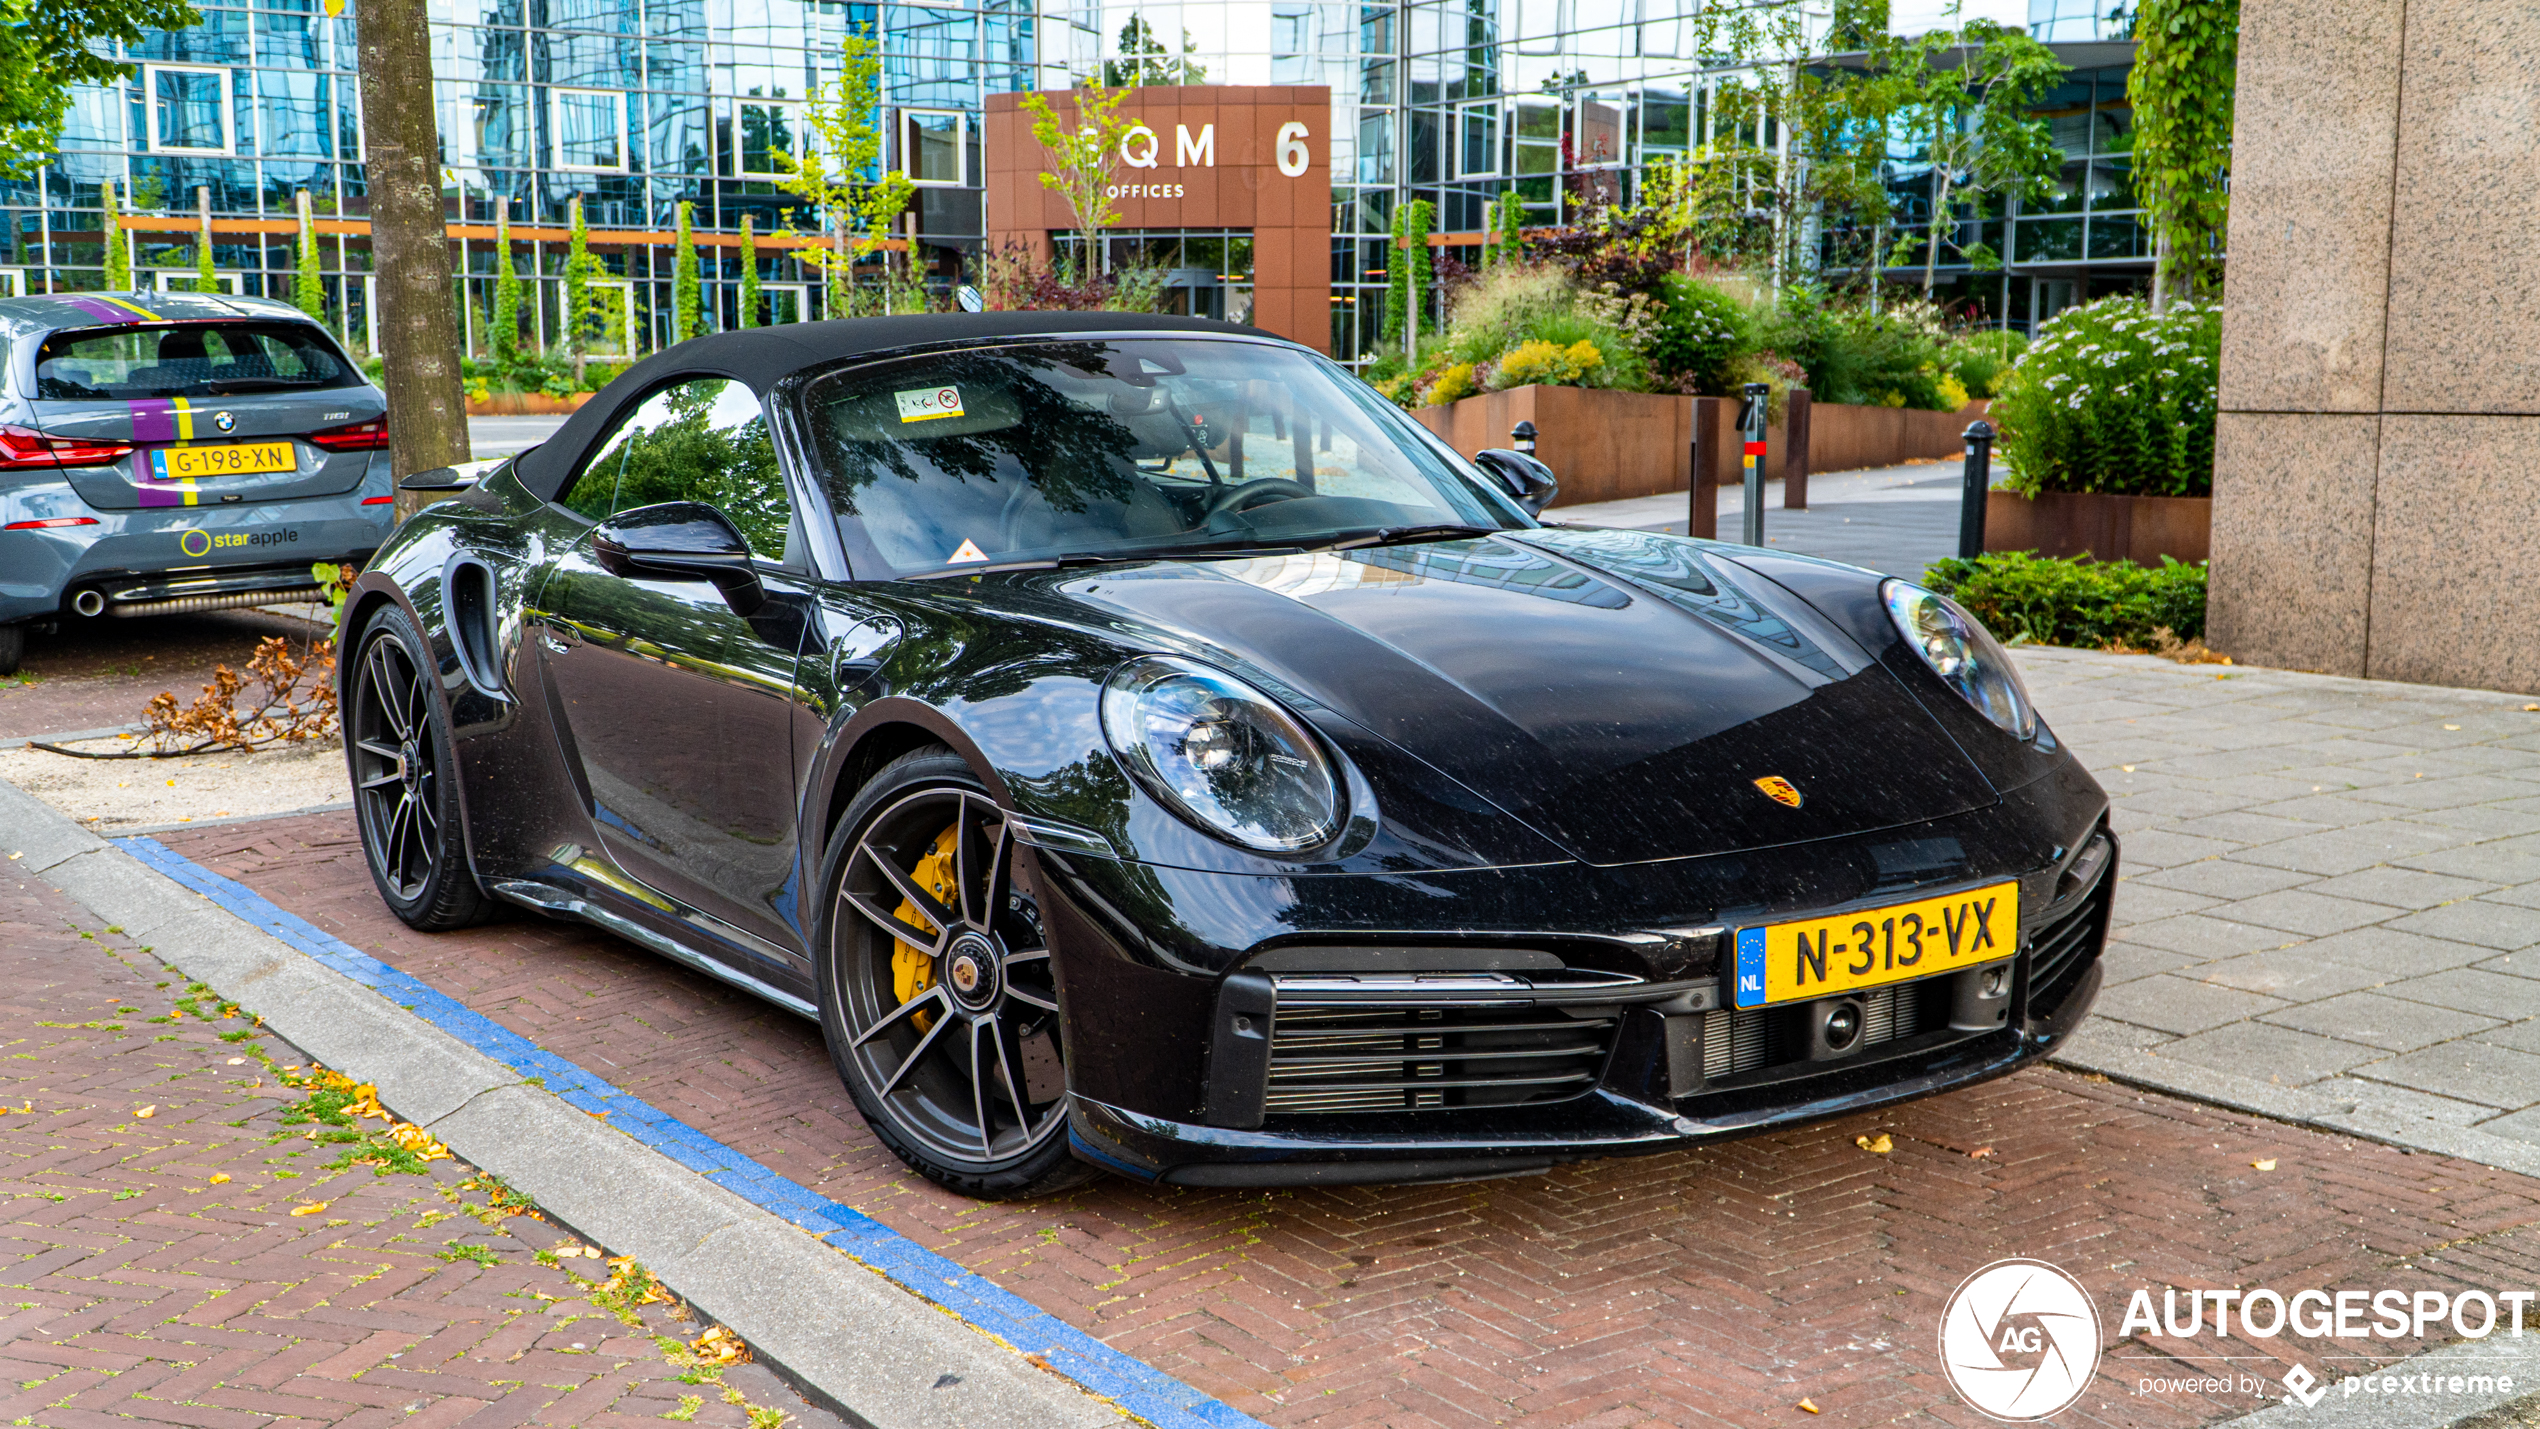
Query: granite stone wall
point(2377, 469)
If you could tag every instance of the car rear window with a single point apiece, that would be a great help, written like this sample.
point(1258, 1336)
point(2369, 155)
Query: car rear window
point(188, 360)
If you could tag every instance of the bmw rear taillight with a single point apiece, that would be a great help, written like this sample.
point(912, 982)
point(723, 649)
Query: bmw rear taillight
point(370, 436)
point(24, 450)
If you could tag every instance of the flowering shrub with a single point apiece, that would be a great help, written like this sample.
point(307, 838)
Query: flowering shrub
point(1547, 362)
point(2113, 399)
point(2026, 598)
point(1701, 331)
point(1453, 384)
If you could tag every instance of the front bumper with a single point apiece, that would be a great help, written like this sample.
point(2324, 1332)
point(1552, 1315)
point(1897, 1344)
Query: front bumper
point(1674, 1070)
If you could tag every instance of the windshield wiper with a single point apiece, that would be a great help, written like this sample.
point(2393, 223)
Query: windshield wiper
point(1397, 535)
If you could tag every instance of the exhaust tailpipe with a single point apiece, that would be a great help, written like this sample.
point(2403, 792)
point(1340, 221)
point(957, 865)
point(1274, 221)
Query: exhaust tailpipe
point(89, 602)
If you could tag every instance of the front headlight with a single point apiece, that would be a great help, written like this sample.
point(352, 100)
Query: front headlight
point(1964, 654)
point(1222, 754)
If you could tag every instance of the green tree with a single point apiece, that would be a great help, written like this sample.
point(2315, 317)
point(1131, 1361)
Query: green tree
point(582, 295)
point(2182, 87)
point(840, 173)
point(118, 246)
point(1965, 95)
point(205, 279)
point(308, 283)
point(48, 48)
point(1081, 158)
point(1512, 227)
point(686, 289)
point(749, 273)
point(506, 342)
point(1409, 269)
point(1145, 60)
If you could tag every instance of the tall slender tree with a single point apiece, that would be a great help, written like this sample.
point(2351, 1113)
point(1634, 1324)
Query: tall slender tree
point(2183, 89)
point(506, 343)
point(581, 298)
point(839, 173)
point(1082, 152)
point(418, 331)
point(308, 283)
point(749, 273)
point(118, 246)
point(686, 290)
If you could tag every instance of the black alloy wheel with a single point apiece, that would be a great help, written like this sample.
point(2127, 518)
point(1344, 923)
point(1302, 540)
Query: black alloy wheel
point(403, 796)
point(937, 994)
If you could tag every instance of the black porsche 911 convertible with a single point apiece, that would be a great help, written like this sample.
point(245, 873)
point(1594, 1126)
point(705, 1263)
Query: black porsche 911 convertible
point(1142, 747)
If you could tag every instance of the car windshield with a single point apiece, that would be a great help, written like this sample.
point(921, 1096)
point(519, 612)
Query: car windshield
point(1047, 452)
point(188, 360)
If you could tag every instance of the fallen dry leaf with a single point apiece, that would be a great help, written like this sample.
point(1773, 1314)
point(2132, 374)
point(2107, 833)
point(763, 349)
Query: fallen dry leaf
point(2451, 726)
point(1980, 1153)
point(311, 1209)
point(1811, 1406)
point(220, 1178)
point(1878, 1146)
point(2266, 1165)
point(2127, 768)
point(238, 1061)
point(147, 1112)
point(719, 1346)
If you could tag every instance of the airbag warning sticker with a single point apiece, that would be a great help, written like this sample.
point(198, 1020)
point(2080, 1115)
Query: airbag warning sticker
point(928, 403)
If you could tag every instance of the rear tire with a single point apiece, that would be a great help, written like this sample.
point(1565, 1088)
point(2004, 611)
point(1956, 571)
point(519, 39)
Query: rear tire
point(405, 789)
point(950, 1045)
point(12, 648)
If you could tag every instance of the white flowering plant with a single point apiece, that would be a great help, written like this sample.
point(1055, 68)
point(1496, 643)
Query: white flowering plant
point(2113, 399)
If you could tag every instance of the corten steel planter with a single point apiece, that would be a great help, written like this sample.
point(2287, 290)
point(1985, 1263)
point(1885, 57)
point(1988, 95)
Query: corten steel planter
point(2141, 529)
point(525, 404)
point(1609, 445)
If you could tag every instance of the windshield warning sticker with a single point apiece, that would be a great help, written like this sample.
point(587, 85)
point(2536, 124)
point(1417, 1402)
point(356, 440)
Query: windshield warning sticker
point(969, 552)
point(928, 403)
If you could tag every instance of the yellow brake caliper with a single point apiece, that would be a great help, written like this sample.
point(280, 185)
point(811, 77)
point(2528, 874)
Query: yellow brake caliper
point(913, 968)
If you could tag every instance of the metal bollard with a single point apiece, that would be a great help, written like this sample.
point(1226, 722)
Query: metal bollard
point(1752, 419)
point(1523, 434)
point(1979, 481)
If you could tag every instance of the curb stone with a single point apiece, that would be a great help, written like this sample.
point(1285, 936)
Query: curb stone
point(2517, 1357)
point(838, 1324)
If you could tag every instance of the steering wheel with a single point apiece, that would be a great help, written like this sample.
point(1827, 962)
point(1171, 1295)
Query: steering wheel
point(1246, 495)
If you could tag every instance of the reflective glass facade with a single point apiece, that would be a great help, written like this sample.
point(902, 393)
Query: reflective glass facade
point(635, 106)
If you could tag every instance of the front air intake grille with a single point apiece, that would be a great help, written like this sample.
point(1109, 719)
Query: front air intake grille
point(1738, 1041)
point(1382, 1058)
point(2060, 951)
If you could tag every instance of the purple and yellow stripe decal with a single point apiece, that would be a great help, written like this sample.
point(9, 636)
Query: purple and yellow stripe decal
point(180, 493)
point(113, 310)
point(162, 419)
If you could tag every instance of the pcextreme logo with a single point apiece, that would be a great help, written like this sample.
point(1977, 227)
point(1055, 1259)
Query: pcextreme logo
point(2019, 1341)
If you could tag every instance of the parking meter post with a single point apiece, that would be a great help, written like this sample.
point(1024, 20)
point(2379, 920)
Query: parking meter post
point(1758, 403)
point(1979, 481)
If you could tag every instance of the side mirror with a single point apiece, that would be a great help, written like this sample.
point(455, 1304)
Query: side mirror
point(1527, 479)
point(681, 540)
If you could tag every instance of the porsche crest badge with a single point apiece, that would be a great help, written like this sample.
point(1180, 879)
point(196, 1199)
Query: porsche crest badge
point(1779, 790)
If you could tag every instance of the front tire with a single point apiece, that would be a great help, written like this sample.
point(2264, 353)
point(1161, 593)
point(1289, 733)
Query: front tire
point(12, 648)
point(405, 790)
point(937, 996)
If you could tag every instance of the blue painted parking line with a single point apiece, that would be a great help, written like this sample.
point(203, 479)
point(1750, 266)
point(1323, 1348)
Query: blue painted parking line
point(1134, 1385)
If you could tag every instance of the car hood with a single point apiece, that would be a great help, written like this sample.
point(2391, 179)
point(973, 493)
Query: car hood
point(1630, 696)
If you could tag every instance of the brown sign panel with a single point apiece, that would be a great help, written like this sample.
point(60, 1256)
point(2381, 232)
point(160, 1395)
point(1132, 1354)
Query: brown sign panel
point(1202, 156)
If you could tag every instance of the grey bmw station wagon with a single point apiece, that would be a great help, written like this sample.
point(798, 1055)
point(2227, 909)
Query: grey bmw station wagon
point(168, 452)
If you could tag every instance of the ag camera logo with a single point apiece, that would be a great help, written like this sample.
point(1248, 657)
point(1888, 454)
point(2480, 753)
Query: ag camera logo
point(2019, 1341)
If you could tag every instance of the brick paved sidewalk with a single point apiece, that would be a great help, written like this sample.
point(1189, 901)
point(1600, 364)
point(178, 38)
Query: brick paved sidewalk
point(154, 1266)
point(2331, 888)
point(1711, 1287)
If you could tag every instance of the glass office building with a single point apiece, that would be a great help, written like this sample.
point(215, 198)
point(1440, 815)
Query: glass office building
point(636, 106)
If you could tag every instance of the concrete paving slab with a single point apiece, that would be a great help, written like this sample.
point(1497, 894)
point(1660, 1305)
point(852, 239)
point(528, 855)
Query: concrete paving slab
point(2488, 994)
point(2281, 1053)
point(2401, 887)
point(2470, 1071)
point(2302, 910)
point(2478, 920)
point(2168, 1002)
point(2376, 1019)
point(2293, 974)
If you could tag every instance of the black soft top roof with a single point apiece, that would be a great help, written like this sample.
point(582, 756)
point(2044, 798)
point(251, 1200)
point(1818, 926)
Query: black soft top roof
point(760, 357)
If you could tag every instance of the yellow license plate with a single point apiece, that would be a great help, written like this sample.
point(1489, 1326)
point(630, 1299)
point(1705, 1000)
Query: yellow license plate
point(226, 459)
point(1869, 947)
